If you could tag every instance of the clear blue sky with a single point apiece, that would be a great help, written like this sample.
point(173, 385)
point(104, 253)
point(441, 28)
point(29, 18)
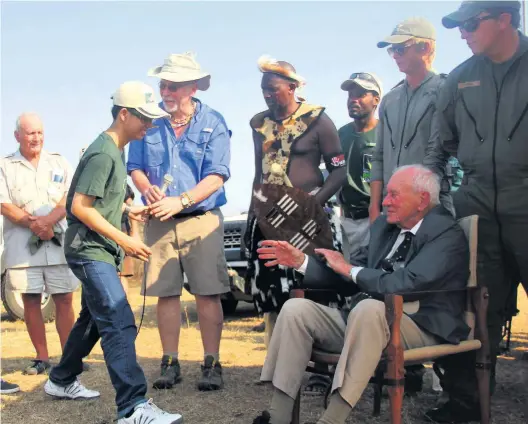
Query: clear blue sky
point(63, 60)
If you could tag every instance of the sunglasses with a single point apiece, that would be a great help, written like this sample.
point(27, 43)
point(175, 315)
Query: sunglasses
point(471, 25)
point(399, 49)
point(364, 76)
point(171, 86)
point(141, 117)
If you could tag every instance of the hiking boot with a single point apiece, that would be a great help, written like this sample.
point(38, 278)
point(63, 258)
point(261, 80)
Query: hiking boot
point(211, 375)
point(8, 388)
point(73, 391)
point(454, 412)
point(147, 412)
point(170, 373)
point(263, 418)
point(37, 367)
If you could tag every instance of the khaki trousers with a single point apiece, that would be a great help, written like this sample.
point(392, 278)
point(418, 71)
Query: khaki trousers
point(303, 324)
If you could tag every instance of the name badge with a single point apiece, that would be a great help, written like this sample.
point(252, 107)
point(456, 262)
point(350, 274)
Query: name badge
point(57, 175)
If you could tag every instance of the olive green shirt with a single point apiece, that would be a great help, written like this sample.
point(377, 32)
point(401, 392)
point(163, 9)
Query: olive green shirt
point(358, 149)
point(101, 174)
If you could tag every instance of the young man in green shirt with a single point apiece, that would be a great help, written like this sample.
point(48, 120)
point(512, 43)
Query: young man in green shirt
point(358, 140)
point(94, 247)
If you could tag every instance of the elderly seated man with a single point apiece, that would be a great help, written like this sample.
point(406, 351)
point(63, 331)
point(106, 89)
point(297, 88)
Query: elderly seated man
point(416, 249)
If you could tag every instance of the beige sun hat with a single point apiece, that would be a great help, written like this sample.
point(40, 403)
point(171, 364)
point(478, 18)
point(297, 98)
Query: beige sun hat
point(182, 68)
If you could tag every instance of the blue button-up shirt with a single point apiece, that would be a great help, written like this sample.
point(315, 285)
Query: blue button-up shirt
point(203, 149)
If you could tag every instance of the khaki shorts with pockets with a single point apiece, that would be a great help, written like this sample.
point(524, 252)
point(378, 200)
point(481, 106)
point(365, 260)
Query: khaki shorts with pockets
point(192, 245)
point(53, 279)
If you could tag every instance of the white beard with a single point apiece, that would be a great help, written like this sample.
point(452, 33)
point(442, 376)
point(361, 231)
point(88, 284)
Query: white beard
point(170, 109)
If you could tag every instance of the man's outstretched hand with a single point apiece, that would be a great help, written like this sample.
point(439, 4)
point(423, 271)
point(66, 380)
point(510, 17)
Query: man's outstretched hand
point(335, 261)
point(280, 253)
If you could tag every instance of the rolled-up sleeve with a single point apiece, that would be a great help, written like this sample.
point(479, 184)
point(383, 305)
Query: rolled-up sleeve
point(135, 156)
point(218, 153)
point(4, 190)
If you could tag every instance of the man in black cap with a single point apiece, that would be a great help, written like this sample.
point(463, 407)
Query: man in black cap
point(482, 118)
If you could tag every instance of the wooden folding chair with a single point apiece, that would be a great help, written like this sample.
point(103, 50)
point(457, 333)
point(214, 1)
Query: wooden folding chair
point(390, 370)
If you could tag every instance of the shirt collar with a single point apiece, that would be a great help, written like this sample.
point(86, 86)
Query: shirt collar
point(20, 158)
point(428, 76)
point(414, 229)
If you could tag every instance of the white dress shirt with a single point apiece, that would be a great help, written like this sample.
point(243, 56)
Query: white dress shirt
point(355, 270)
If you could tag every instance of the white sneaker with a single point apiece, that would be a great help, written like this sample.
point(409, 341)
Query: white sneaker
point(74, 391)
point(148, 413)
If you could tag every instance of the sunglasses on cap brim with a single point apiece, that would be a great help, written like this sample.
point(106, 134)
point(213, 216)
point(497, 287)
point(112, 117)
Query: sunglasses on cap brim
point(366, 77)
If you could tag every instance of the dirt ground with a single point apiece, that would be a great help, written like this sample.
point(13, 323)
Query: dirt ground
point(242, 355)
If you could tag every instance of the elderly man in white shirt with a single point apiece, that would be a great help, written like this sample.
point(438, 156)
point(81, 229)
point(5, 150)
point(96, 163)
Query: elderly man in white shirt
point(33, 188)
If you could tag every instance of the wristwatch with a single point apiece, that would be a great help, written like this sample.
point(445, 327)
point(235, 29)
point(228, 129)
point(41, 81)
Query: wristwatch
point(186, 200)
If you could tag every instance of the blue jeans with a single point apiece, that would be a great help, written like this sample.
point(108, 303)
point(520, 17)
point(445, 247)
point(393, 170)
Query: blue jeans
point(105, 314)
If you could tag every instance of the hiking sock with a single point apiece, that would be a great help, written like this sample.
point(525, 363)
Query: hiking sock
point(281, 407)
point(337, 412)
point(216, 356)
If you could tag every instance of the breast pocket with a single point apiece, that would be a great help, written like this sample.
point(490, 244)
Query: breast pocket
point(195, 145)
point(154, 158)
point(22, 197)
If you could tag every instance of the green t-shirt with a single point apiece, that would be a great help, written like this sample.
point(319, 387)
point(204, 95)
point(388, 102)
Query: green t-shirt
point(358, 149)
point(101, 174)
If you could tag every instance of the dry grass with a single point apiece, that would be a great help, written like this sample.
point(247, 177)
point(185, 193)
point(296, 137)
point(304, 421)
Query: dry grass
point(242, 355)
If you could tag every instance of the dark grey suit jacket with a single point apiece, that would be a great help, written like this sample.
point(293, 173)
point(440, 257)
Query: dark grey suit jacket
point(437, 261)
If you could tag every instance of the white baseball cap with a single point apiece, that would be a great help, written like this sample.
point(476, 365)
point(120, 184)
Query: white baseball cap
point(139, 96)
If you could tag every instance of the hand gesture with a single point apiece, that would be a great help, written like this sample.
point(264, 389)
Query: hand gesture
point(153, 194)
point(280, 253)
point(335, 261)
point(166, 208)
point(136, 248)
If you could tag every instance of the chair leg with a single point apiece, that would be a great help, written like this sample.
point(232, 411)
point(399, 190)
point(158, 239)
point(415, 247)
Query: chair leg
point(296, 415)
point(378, 388)
point(394, 373)
point(483, 363)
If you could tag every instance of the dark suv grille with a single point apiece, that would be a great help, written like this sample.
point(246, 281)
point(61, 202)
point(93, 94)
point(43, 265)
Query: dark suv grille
point(232, 238)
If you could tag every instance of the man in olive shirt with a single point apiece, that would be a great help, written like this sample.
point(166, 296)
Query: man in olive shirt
point(482, 119)
point(93, 247)
point(358, 142)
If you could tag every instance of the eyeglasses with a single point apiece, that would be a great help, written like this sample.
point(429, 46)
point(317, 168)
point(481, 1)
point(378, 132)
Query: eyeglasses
point(172, 86)
point(471, 25)
point(399, 49)
point(141, 117)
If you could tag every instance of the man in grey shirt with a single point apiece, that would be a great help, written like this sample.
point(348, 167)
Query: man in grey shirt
point(406, 112)
point(482, 119)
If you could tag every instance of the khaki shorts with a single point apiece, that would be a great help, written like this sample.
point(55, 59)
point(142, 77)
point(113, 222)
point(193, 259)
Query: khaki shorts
point(191, 245)
point(53, 279)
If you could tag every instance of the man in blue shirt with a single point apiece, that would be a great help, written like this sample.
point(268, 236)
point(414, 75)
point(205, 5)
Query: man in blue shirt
point(188, 155)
